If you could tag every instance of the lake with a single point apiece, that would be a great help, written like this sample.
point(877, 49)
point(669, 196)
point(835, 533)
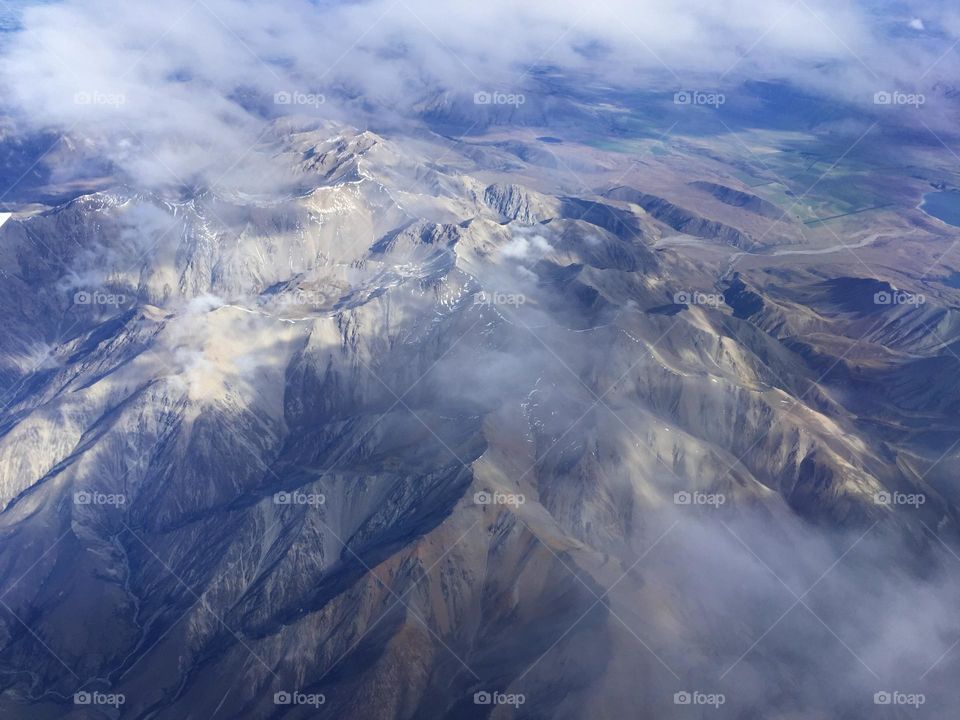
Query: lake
point(944, 205)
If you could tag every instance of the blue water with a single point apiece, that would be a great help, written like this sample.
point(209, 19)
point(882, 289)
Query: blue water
point(944, 205)
point(952, 280)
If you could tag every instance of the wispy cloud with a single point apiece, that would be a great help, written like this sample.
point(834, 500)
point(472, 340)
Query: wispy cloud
point(178, 93)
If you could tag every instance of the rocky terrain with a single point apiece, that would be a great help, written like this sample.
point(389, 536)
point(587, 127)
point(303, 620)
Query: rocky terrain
point(432, 423)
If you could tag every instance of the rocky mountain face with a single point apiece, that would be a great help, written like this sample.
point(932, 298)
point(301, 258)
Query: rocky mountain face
point(418, 440)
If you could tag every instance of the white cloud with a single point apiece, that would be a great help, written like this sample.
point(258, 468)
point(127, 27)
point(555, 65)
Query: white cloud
point(523, 248)
point(177, 92)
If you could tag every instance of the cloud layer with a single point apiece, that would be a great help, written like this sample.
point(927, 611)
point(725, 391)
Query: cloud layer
point(178, 92)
